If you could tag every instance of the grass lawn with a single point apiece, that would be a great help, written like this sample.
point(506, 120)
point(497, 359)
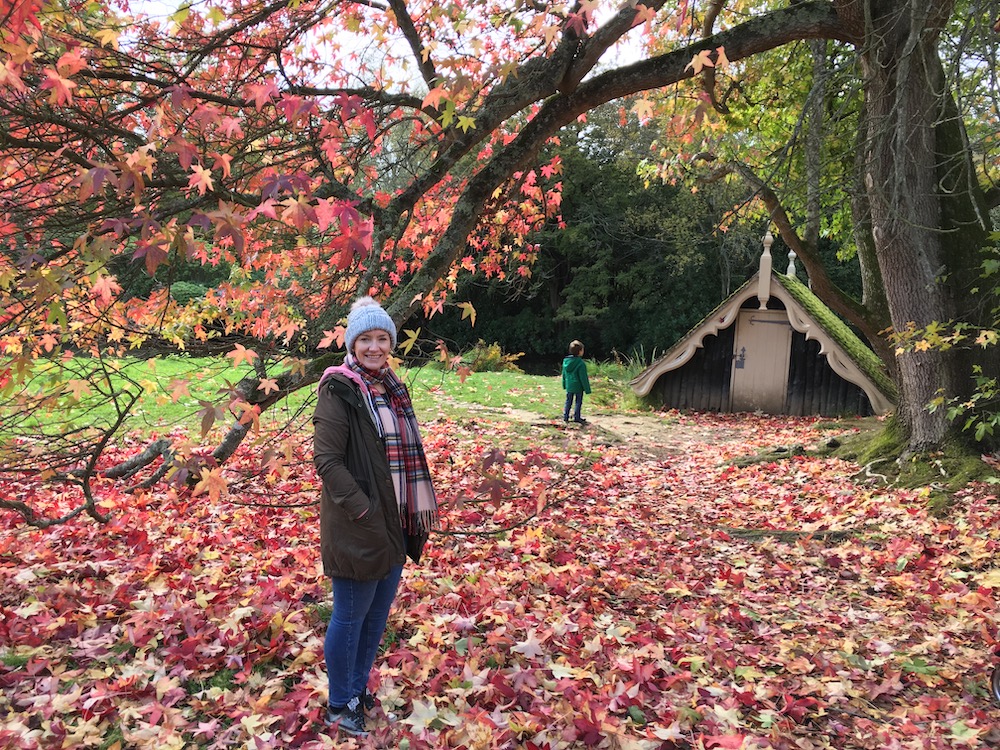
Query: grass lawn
point(176, 390)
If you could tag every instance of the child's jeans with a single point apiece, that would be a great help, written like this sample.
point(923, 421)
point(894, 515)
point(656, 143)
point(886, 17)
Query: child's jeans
point(570, 397)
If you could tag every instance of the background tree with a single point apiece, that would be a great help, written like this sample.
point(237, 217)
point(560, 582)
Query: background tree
point(629, 266)
point(822, 149)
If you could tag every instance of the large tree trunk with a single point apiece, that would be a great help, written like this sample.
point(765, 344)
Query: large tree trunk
point(912, 226)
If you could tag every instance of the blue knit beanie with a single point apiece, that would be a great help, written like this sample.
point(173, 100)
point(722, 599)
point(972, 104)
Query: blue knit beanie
point(367, 315)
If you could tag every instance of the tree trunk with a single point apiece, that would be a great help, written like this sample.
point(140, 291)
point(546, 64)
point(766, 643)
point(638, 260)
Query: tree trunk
point(906, 105)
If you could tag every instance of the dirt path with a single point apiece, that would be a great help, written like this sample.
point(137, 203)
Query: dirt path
point(661, 435)
point(651, 435)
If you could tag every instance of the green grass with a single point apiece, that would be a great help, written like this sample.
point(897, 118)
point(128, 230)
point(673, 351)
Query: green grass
point(432, 389)
point(14, 661)
point(435, 390)
point(114, 738)
point(175, 389)
point(222, 680)
point(881, 450)
point(172, 390)
point(162, 401)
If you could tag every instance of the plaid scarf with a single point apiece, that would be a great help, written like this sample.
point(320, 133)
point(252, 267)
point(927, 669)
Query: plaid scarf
point(418, 508)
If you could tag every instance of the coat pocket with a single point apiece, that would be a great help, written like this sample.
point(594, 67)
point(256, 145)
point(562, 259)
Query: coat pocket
point(372, 549)
point(357, 505)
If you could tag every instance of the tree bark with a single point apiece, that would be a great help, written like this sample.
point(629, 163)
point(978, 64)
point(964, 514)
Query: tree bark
point(906, 106)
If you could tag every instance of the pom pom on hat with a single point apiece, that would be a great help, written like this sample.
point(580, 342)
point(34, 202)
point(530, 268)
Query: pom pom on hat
point(367, 315)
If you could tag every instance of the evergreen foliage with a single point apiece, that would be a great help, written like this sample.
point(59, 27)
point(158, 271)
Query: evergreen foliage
point(630, 269)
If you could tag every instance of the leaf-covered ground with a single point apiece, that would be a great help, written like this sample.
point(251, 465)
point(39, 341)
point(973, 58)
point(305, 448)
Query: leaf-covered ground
point(656, 601)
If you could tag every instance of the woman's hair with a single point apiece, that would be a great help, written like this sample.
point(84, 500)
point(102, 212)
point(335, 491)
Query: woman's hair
point(576, 347)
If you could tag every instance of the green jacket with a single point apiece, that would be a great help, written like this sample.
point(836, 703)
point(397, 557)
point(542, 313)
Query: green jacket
point(574, 375)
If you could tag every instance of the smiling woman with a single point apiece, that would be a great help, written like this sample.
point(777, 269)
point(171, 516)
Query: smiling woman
point(378, 504)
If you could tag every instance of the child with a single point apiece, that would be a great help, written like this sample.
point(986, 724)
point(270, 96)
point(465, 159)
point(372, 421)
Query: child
point(575, 381)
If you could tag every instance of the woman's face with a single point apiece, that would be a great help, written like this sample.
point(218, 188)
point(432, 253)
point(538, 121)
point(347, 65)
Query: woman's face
point(371, 349)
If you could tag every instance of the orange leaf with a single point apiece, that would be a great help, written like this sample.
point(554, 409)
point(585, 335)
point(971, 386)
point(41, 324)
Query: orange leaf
point(212, 482)
point(242, 354)
point(434, 97)
point(268, 385)
point(178, 389)
point(200, 179)
point(62, 88)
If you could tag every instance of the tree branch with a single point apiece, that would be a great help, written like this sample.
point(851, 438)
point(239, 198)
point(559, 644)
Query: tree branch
point(420, 55)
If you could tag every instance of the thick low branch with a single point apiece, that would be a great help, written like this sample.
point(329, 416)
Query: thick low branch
point(33, 519)
point(159, 449)
point(802, 21)
point(248, 389)
point(591, 49)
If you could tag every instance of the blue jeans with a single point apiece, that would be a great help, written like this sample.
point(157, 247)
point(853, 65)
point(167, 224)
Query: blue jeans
point(570, 397)
point(360, 611)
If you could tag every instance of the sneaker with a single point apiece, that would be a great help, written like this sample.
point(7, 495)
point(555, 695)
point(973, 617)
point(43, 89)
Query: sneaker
point(581, 420)
point(370, 703)
point(350, 719)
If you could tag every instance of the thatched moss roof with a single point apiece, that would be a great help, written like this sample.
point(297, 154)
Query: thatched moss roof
point(856, 349)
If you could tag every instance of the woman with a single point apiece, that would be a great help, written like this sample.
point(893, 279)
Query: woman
point(377, 507)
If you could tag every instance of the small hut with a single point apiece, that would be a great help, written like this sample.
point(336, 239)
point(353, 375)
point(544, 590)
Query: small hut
point(771, 347)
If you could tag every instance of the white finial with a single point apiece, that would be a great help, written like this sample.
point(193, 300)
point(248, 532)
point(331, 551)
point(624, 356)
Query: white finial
point(764, 277)
point(791, 263)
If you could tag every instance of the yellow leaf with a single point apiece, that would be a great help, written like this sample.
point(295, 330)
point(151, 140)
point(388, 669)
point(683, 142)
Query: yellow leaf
point(202, 598)
point(448, 115)
point(216, 15)
point(107, 38)
point(422, 714)
point(643, 109)
point(991, 579)
point(987, 337)
point(700, 61)
point(181, 15)
point(694, 663)
point(468, 311)
point(410, 340)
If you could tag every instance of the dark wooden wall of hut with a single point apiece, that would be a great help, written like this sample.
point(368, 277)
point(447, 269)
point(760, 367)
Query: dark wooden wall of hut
point(814, 388)
point(702, 383)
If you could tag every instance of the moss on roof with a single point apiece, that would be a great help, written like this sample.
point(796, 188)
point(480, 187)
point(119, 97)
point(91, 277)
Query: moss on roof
point(856, 349)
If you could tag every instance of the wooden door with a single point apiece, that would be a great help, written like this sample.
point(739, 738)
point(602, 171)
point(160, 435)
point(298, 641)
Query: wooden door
point(760, 361)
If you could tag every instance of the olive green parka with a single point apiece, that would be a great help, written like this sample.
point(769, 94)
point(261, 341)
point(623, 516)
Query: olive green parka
point(361, 534)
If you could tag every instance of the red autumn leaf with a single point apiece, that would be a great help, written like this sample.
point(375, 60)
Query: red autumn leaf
point(630, 605)
point(61, 88)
